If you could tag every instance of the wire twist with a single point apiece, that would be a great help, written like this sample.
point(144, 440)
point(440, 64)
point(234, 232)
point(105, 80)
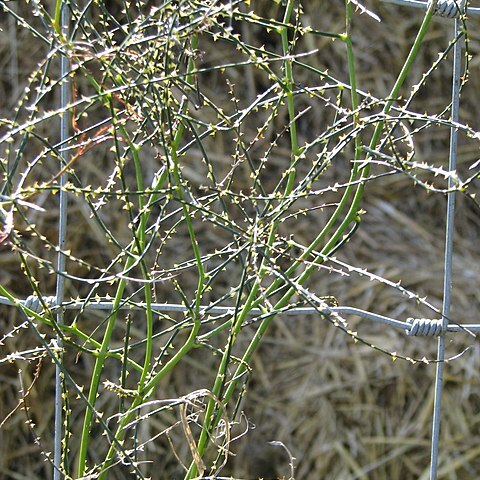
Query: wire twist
point(450, 8)
point(33, 303)
point(424, 327)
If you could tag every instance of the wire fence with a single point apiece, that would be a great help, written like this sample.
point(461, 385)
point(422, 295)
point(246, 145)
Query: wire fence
point(142, 81)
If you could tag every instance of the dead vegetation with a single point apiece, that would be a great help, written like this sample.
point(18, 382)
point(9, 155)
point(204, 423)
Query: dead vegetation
point(342, 409)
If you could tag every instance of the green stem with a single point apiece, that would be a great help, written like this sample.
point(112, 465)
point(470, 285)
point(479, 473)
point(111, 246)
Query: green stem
point(352, 213)
point(57, 17)
point(142, 240)
point(97, 372)
point(289, 81)
point(250, 301)
point(147, 391)
point(350, 216)
point(136, 247)
point(57, 20)
point(146, 388)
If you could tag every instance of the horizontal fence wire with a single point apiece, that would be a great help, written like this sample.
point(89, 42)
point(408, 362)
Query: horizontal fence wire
point(413, 326)
point(423, 5)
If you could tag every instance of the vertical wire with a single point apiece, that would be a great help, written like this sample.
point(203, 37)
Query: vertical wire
point(62, 231)
point(447, 278)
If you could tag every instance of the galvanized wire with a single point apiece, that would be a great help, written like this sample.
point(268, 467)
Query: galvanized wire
point(62, 235)
point(412, 326)
point(447, 279)
point(423, 5)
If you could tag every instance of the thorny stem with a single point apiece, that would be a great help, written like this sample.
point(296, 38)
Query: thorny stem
point(237, 322)
point(147, 386)
point(351, 215)
point(346, 212)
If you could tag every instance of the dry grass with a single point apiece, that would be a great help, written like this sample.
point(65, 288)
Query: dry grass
point(344, 410)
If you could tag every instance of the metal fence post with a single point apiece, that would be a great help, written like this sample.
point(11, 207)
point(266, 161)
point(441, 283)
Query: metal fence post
point(451, 9)
point(62, 233)
point(449, 230)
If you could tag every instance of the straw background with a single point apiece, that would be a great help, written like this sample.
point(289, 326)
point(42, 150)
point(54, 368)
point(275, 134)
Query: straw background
point(344, 410)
